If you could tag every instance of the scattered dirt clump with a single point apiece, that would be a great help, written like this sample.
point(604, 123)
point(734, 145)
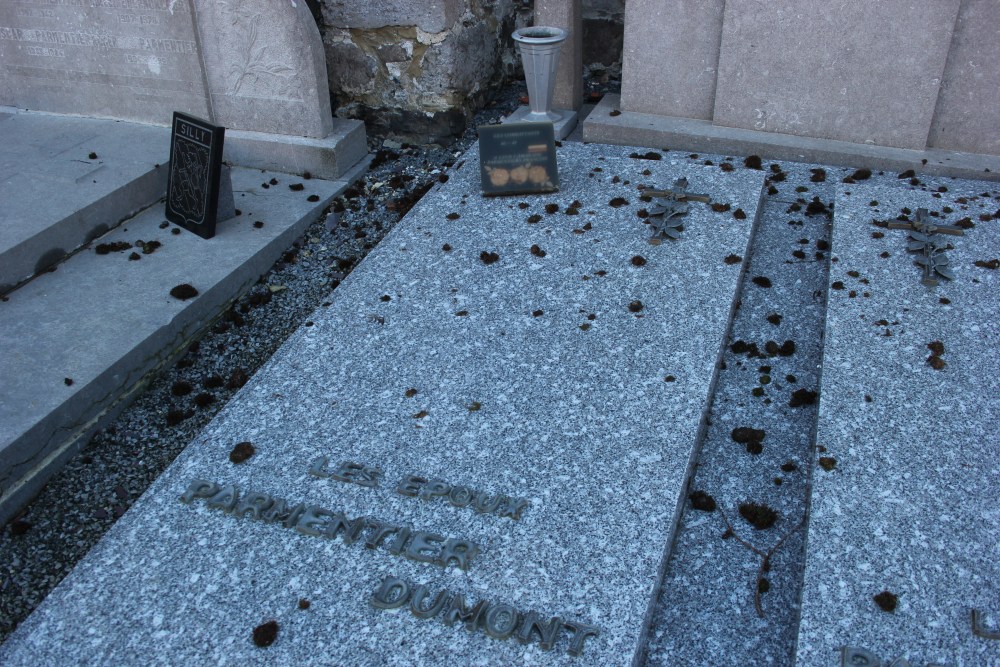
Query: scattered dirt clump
point(241, 452)
point(759, 516)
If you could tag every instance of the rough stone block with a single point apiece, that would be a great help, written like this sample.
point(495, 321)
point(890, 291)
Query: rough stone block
point(670, 57)
point(121, 61)
point(484, 354)
point(904, 493)
point(836, 69)
point(967, 117)
point(430, 16)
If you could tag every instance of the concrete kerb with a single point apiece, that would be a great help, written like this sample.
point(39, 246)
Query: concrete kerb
point(626, 128)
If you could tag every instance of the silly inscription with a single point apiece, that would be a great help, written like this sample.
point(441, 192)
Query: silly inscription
point(497, 619)
point(417, 545)
point(193, 182)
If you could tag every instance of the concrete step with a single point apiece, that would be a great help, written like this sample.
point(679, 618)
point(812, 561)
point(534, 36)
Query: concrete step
point(56, 198)
point(513, 346)
point(78, 343)
point(901, 566)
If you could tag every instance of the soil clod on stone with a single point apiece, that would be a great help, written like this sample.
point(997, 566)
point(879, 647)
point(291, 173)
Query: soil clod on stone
point(702, 501)
point(183, 292)
point(265, 634)
point(241, 452)
point(759, 516)
point(886, 601)
point(802, 397)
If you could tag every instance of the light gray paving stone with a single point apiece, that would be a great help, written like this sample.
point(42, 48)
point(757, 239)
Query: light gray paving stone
point(911, 506)
point(579, 422)
point(84, 197)
point(105, 322)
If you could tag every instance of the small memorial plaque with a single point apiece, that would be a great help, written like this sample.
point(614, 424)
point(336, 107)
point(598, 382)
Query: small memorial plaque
point(196, 170)
point(518, 158)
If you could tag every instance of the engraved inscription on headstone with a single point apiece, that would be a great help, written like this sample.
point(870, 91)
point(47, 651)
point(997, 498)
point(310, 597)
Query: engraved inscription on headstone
point(198, 188)
point(518, 158)
point(129, 59)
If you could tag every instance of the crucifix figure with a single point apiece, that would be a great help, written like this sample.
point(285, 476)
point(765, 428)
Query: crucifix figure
point(932, 255)
point(668, 207)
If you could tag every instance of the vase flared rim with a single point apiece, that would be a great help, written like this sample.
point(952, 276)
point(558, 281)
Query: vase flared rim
point(539, 35)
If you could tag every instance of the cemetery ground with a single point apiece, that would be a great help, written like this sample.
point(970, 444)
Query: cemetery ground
point(739, 559)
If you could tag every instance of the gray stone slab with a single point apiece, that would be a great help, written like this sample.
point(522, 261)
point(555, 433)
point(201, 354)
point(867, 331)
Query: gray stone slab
point(569, 412)
point(608, 124)
point(834, 69)
point(107, 322)
point(670, 57)
point(136, 61)
point(56, 198)
point(252, 65)
point(911, 505)
point(968, 111)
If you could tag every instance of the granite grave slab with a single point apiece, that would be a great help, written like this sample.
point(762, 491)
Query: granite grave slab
point(904, 534)
point(501, 403)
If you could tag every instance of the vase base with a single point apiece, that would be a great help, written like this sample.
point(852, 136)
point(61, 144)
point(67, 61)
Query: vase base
point(563, 120)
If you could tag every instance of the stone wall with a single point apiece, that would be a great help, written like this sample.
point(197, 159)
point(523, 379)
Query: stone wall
point(418, 71)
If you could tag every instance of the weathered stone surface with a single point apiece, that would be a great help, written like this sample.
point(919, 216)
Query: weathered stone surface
point(836, 69)
point(265, 67)
point(133, 62)
point(430, 16)
point(967, 117)
point(404, 72)
point(353, 71)
point(670, 57)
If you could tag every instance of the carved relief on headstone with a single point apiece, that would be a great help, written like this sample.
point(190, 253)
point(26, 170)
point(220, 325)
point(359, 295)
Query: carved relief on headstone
point(265, 65)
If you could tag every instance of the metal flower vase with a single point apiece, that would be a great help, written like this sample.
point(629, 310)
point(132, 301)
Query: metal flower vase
point(540, 47)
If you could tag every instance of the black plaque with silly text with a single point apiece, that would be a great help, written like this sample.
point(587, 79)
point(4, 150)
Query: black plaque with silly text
point(518, 158)
point(195, 168)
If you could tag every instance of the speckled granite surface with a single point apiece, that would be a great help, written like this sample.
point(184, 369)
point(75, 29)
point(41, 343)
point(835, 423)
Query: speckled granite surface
point(568, 409)
point(908, 501)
